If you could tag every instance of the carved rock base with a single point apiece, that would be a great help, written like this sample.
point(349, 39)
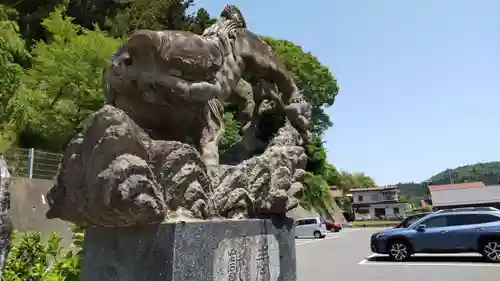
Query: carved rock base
point(115, 175)
point(253, 249)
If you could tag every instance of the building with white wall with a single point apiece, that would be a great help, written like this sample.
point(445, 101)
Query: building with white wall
point(377, 203)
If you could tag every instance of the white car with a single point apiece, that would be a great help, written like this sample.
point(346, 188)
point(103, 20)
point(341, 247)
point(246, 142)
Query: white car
point(310, 227)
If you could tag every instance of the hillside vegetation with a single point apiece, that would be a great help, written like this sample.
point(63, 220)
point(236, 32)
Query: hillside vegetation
point(488, 172)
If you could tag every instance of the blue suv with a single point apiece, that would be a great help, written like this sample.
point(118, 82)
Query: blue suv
point(463, 230)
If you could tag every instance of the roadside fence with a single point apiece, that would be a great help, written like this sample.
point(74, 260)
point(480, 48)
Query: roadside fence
point(32, 163)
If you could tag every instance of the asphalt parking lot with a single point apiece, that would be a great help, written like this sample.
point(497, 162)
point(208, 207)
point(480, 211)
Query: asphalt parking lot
point(346, 256)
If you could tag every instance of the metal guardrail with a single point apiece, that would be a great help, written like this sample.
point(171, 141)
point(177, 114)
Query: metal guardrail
point(32, 163)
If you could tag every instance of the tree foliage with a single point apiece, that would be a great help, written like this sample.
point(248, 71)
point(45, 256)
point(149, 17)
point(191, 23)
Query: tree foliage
point(64, 81)
point(356, 180)
point(314, 80)
point(316, 194)
point(347, 181)
point(13, 55)
point(157, 15)
point(117, 17)
point(31, 258)
point(488, 172)
point(231, 131)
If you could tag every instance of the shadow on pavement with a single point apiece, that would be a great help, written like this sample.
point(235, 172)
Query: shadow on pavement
point(432, 259)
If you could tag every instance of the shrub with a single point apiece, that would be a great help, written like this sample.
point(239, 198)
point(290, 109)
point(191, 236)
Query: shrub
point(32, 259)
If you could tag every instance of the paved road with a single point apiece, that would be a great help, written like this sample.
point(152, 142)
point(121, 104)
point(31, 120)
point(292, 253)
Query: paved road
point(346, 256)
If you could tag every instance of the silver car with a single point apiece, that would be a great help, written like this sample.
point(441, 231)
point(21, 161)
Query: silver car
point(310, 227)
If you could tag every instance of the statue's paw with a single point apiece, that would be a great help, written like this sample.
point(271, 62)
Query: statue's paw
point(237, 204)
point(183, 177)
point(126, 193)
point(103, 178)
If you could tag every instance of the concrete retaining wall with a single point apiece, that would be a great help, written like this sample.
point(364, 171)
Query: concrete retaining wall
point(28, 208)
point(300, 212)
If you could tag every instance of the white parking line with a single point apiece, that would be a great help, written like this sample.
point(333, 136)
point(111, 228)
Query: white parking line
point(329, 236)
point(297, 243)
point(367, 261)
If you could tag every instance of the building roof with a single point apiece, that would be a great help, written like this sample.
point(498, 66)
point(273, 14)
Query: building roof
point(456, 186)
point(374, 188)
point(466, 196)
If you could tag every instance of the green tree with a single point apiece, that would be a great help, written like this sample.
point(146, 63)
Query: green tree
point(362, 180)
point(33, 259)
point(316, 155)
point(231, 132)
point(12, 55)
point(314, 80)
point(200, 22)
point(321, 175)
point(119, 17)
point(355, 180)
point(316, 194)
point(331, 175)
point(31, 13)
point(158, 15)
point(91, 13)
point(64, 84)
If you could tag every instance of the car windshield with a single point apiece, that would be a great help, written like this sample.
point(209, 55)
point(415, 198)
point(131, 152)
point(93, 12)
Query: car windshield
point(410, 220)
point(418, 221)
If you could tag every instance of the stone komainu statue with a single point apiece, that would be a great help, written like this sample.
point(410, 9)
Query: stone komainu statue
point(151, 153)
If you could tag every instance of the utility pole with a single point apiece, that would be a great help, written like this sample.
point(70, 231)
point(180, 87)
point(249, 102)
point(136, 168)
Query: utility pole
point(451, 178)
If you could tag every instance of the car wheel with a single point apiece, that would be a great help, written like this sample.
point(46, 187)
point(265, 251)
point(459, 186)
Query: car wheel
point(399, 250)
point(491, 250)
point(317, 234)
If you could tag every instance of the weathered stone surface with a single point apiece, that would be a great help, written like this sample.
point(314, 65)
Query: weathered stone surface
point(268, 184)
point(115, 175)
point(5, 219)
point(244, 250)
point(167, 78)
point(152, 153)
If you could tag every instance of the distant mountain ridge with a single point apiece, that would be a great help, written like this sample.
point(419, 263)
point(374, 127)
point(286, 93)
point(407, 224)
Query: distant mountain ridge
point(487, 172)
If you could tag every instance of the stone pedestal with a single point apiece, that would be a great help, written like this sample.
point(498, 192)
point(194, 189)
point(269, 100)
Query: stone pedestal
point(239, 250)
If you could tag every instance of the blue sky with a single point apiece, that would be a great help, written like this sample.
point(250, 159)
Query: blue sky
point(419, 80)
